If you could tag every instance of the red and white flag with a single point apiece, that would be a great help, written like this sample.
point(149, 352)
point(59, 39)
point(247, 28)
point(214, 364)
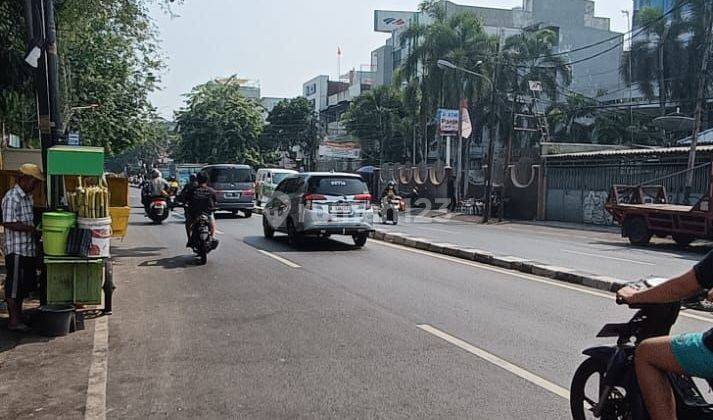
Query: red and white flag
point(467, 126)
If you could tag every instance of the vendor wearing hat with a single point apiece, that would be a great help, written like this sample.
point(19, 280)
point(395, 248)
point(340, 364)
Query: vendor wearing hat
point(20, 247)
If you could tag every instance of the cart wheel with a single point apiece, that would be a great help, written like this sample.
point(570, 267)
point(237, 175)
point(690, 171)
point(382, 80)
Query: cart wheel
point(683, 239)
point(638, 232)
point(109, 286)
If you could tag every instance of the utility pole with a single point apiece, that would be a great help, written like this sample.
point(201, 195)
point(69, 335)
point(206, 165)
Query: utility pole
point(702, 84)
point(459, 168)
point(41, 31)
point(493, 135)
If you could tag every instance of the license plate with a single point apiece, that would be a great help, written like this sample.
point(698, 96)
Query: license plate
point(232, 195)
point(340, 209)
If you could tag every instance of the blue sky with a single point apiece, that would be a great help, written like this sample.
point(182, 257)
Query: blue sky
point(281, 43)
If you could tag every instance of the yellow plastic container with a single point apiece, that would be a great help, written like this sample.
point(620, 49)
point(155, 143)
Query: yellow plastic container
point(119, 221)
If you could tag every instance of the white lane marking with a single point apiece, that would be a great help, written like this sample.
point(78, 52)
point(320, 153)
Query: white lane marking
point(569, 251)
point(95, 407)
point(494, 269)
point(280, 259)
point(504, 364)
point(529, 277)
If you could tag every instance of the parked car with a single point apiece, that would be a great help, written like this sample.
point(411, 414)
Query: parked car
point(235, 187)
point(320, 204)
point(267, 180)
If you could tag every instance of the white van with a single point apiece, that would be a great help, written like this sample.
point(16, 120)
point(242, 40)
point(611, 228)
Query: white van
point(266, 181)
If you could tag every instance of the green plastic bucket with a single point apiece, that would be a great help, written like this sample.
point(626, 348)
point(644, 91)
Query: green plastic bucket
point(55, 231)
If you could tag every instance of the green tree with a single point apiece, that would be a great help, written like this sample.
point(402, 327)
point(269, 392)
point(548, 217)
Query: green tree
point(292, 122)
point(219, 125)
point(108, 56)
point(459, 39)
point(656, 55)
point(376, 119)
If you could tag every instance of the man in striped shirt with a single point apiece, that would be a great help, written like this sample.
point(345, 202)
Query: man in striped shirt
point(20, 248)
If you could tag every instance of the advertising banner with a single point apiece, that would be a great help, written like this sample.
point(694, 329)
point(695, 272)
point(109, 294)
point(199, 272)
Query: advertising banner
point(389, 21)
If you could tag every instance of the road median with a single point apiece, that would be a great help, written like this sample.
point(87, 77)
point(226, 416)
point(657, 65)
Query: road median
point(523, 265)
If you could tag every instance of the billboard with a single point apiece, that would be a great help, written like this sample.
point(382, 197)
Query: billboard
point(447, 121)
point(389, 21)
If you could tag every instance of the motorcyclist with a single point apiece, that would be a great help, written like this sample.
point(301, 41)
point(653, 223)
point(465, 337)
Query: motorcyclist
point(691, 354)
point(199, 199)
point(173, 185)
point(155, 187)
point(390, 190)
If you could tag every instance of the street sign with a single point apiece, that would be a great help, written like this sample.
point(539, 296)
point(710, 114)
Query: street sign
point(447, 121)
point(73, 139)
point(535, 85)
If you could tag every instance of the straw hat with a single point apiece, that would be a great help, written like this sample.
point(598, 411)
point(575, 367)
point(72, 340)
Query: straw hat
point(30, 169)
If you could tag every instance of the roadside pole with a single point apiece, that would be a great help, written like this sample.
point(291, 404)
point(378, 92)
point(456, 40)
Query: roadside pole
point(698, 115)
point(53, 88)
point(493, 134)
point(459, 171)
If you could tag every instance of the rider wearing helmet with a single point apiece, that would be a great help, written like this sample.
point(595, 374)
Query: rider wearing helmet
point(390, 189)
point(159, 186)
point(199, 199)
point(691, 354)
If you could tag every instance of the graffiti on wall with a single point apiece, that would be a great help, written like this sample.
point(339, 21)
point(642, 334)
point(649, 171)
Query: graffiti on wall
point(593, 208)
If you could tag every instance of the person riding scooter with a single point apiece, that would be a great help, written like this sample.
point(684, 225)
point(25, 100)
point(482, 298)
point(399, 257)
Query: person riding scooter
point(155, 187)
point(200, 199)
point(690, 354)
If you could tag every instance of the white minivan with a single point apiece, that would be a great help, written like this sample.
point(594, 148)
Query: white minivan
point(266, 181)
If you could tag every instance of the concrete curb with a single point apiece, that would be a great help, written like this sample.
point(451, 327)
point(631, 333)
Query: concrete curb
point(563, 274)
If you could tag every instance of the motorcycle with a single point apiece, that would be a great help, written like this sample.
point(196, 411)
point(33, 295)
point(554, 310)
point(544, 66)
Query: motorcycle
point(605, 385)
point(201, 241)
point(389, 211)
point(158, 209)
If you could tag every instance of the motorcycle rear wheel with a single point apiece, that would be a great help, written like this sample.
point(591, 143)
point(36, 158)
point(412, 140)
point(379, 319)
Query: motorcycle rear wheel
point(202, 253)
point(582, 397)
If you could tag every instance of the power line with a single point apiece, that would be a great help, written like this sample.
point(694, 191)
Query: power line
point(617, 45)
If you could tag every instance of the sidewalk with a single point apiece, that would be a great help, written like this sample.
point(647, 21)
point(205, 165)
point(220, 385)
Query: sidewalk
point(43, 377)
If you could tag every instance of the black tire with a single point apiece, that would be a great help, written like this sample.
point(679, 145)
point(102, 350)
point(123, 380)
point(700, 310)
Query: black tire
point(294, 237)
point(683, 239)
point(202, 253)
point(360, 239)
point(637, 231)
point(247, 213)
point(267, 230)
point(618, 406)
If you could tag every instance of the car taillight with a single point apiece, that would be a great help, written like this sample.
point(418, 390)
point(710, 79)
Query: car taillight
point(309, 198)
point(366, 198)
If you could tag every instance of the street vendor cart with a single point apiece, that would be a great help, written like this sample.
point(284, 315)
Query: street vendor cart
point(77, 237)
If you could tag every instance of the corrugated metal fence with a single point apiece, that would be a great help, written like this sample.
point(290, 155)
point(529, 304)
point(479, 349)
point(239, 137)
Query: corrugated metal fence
point(577, 193)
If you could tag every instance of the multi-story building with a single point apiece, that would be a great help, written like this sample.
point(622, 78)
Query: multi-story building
point(268, 104)
point(663, 5)
point(574, 21)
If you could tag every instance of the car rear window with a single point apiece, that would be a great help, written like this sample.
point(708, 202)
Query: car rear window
point(279, 176)
point(332, 185)
point(229, 175)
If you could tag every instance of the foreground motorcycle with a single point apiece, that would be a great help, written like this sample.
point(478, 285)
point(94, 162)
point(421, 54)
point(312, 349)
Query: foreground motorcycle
point(605, 385)
point(158, 209)
point(201, 241)
point(389, 210)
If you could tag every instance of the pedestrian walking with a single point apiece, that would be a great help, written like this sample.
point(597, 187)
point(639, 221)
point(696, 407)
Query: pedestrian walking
point(20, 247)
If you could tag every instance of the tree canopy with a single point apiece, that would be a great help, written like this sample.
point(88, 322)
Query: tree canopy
point(292, 122)
point(108, 55)
point(219, 125)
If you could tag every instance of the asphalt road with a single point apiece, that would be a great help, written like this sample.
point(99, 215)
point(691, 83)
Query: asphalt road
point(601, 253)
point(265, 330)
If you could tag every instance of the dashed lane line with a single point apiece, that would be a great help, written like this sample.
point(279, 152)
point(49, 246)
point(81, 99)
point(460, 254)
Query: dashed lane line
point(280, 259)
point(497, 361)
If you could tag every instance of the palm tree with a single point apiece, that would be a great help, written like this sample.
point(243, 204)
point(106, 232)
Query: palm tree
point(658, 56)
